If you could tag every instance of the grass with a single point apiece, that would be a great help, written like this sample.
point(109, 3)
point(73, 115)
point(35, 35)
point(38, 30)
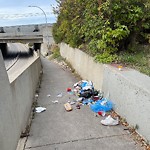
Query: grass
point(139, 60)
point(55, 52)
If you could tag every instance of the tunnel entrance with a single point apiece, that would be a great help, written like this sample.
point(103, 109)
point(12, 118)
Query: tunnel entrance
point(37, 46)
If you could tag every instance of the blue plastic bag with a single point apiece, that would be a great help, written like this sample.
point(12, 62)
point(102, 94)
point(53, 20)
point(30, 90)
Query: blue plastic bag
point(102, 105)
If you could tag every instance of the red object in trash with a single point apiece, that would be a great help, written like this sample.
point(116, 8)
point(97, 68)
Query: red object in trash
point(68, 89)
point(101, 113)
point(95, 98)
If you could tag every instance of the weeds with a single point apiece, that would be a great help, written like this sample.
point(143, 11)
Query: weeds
point(139, 60)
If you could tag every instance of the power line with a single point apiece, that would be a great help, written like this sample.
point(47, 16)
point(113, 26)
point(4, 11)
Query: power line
point(18, 16)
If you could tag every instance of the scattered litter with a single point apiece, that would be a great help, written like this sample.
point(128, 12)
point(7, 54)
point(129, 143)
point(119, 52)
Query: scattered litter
point(72, 103)
point(87, 101)
point(48, 95)
point(109, 121)
point(68, 107)
point(36, 95)
point(79, 99)
point(102, 113)
point(95, 98)
point(100, 95)
point(89, 96)
point(78, 106)
point(75, 92)
point(86, 85)
point(69, 90)
point(39, 109)
point(119, 68)
point(60, 95)
point(56, 101)
point(95, 115)
point(83, 85)
point(86, 93)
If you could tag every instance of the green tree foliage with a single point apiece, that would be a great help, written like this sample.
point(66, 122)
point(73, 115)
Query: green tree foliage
point(102, 26)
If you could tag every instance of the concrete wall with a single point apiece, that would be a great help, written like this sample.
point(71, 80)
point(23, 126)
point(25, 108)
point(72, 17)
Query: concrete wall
point(15, 102)
point(128, 89)
point(83, 64)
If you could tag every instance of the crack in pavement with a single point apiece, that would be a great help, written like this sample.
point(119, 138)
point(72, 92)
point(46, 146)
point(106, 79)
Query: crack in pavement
point(78, 140)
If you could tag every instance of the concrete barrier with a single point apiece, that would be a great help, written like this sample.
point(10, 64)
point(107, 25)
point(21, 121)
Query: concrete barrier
point(15, 102)
point(83, 64)
point(128, 89)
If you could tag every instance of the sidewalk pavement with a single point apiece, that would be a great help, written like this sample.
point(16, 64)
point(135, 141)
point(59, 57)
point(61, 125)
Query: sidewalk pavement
point(56, 129)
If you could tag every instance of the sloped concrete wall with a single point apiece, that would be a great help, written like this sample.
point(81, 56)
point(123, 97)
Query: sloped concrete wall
point(8, 128)
point(128, 89)
point(15, 102)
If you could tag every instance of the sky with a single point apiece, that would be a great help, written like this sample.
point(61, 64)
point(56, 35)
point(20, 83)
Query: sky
point(17, 12)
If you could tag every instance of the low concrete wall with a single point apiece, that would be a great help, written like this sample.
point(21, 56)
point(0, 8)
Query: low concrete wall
point(83, 64)
point(15, 102)
point(128, 89)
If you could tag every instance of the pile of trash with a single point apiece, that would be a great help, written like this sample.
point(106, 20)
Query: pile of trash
point(89, 96)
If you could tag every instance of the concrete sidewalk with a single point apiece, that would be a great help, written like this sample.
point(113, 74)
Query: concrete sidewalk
point(56, 129)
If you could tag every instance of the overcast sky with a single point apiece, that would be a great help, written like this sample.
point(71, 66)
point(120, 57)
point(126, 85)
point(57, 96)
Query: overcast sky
point(17, 12)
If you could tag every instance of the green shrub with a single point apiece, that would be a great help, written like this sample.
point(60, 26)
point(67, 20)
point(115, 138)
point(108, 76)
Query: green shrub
point(105, 58)
point(56, 52)
point(107, 26)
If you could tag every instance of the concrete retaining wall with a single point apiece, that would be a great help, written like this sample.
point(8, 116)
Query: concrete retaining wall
point(15, 102)
point(128, 89)
point(83, 64)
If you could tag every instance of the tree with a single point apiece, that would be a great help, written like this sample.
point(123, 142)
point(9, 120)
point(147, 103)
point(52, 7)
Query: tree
point(102, 26)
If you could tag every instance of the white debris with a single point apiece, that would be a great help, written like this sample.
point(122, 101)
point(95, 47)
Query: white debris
point(60, 95)
point(72, 103)
point(56, 101)
point(40, 109)
point(48, 95)
point(109, 121)
point(36, 95)
point(79, 99)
